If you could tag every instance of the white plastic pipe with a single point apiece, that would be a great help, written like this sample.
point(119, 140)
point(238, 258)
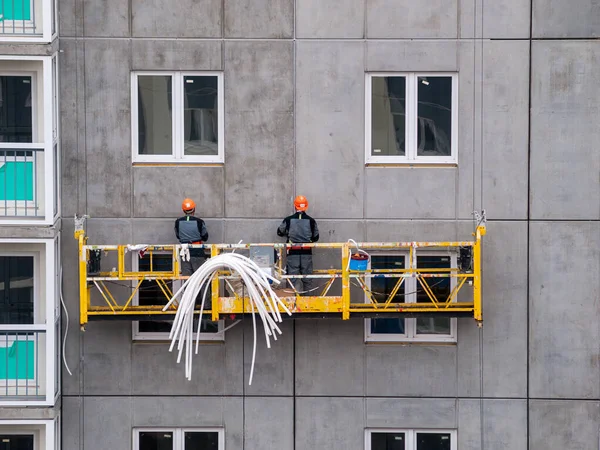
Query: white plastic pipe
point(262, 300)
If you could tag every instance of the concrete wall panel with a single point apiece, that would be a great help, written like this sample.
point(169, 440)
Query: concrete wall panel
point(252, 231)
point(158, 411)
point(411, 413)
point(418, 230)
point(321, 368)
point(108, 129)
point(505, 129)
point(259, 19)
point(556, 425)
point(259, 142)
point(72, 113)
point(411, 371)
point(158, 191)
point(107, 413)
point(469, 133)
point(156, 372)
point(412, 56)
point(314, 428)
point(564, 310)
point(558, 19)
point(107, 353)
point(390, 19)
point(70, 416)
point(176, 55)
point(269, 423)
point(329, 127)
point(273, 367)
point(502, 19)
point(505, 324)
point(410, 193)
point(191, 18)
point(259, 171)
point(70, 287)
point(332, 19)
point(504, 424)
point(565, 161)
point(105, 18)
point(70, 19)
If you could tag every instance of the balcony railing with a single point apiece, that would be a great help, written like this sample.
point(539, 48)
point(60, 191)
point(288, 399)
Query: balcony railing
point(22, 362)
point(20, 17)
point(22, 182)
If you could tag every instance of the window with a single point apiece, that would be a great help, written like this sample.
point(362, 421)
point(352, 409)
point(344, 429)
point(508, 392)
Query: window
point(17, 290)
point(16, 442)
point(16, 108)
point(150, 293)
point(179, 439)
point(411, 440)
point(411, 118)
point(428, 329)
point(177, 117)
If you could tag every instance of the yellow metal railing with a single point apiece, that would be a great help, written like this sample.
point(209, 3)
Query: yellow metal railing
point(359, 301)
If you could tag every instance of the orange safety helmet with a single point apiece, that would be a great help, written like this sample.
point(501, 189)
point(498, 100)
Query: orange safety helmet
point(300, 203)
point(188, 205)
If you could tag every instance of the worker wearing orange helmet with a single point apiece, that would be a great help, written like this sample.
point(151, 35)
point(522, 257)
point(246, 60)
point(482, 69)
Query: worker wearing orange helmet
point(300, 228)
point(190, 229)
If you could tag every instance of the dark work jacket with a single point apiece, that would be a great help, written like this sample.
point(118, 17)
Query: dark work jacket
point(299, 228)
point(191, 230)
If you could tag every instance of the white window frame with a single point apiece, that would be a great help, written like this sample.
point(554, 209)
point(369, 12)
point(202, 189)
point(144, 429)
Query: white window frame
point(411, 124)
point(44, 431)
point(178, 435)
point(177, 102)
point(411, 436)
point(45, 24)
point(44, 141)
point(410, 323)
point(138, 335)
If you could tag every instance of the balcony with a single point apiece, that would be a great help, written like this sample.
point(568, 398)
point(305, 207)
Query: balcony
point(27, 20)
point(22, 362)
point(29, 155)
point(29, 322)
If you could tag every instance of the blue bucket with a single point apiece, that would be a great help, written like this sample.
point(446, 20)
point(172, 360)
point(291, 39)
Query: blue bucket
point(359, 262)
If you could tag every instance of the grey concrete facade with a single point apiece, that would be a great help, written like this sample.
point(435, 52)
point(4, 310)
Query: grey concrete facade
point(294, 74)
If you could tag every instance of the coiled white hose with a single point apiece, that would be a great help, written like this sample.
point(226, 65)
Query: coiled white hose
point(262, 300)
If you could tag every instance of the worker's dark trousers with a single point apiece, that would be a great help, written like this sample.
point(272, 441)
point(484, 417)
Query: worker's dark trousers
point(301, 265)
point(187, 269)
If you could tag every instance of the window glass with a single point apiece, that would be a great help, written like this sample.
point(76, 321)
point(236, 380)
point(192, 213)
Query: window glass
point(16, 101)
point(201, 121)
point(16, 290)
point(382, 288)
point(434, 123)
point(155, 113)
point(156, 440)
point(16, 442)
point(433, 441)
point(201, 440)
point(388, 116)
point(440, 286)
point(388, 441)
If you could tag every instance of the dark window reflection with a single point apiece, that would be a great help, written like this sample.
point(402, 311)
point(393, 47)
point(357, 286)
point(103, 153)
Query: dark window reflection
point(388, 441)
point(382, 288)
point(434, 124)
point(388, 116)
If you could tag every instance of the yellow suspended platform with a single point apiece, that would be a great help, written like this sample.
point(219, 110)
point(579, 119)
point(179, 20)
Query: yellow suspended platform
point(341, 292)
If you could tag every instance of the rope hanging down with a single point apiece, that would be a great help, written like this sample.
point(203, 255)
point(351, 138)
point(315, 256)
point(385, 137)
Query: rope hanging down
point(262, 300)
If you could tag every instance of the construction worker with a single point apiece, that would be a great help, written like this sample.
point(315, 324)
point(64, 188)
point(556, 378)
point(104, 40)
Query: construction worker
point(191, 230)
point(300, 228)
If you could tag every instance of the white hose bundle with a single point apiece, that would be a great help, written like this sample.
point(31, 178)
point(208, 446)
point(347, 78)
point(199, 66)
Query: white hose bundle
point(262, 299)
